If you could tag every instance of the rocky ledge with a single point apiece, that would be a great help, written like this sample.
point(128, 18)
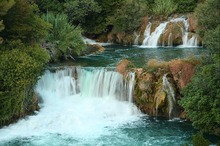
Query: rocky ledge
point(158, 86)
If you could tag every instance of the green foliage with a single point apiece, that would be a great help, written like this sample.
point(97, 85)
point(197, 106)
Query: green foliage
point(164, 7)
point(20, 68)
point(202, 99)
point(207, 14)
point(66, 37)
point(185, 6)
point(128, 17)
point(22, 23)
point(5, 5)
point(55, 6)
point(79, 11)
point(99, 21)
point(202, 96)
point(199, 140)
point(211, 40)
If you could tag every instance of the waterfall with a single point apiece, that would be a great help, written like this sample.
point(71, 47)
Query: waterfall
point(168, 89)
point(170, 41)
point(189, 42)
point(151, 39)
point(80, 103)
point(136, 38)
point(89, 82)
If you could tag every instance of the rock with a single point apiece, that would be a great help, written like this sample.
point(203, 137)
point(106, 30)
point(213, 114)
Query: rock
point(102, 38)
point(192, 23)
point(182, 115)
point(92, 49)
point(154, 25)
point(160, 98)
point(123, 66)
point(182, 71)
point(154, 95)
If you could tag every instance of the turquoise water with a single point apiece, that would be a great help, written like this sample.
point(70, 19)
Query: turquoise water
point(144, 132)
point(139, 56)
point(68, 119)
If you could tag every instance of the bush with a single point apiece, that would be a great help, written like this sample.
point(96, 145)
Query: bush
point(65, 37)
point(185, 6)
point(20, 68)
point(199, 140)
point(201, 99)
point(203, 13)
point(128, 17)
point(164, 7)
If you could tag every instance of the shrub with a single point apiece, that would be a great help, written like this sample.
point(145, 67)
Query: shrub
point(164, 7)
point(185, 6)
point(20, 68)
point(65, 37)
point(128, 17)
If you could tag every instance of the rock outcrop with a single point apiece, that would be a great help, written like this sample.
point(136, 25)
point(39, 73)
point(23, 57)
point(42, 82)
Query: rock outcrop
point(157, 87)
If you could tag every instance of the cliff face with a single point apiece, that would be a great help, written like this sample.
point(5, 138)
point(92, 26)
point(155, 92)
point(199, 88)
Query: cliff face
point(158, 86)
point(173, 34)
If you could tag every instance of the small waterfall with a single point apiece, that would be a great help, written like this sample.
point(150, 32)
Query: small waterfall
point(90, 41)
point(136, 38)
point(147, 33)
point(168, 89)
point(170, 40)
point(130, 86)
point(152, 39)
point(189, 42)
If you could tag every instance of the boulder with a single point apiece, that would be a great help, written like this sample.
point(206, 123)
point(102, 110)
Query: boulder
point(182, 71)
point(92, 49)
point(192, 23)
point(124, 66)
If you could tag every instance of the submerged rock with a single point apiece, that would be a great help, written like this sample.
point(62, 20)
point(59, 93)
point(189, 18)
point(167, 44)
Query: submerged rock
point(92, 49)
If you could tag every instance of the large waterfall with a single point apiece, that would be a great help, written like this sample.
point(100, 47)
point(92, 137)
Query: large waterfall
point(151, 39)
point(79, 102)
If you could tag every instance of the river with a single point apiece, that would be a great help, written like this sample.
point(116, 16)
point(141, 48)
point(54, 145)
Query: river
point(91, 105)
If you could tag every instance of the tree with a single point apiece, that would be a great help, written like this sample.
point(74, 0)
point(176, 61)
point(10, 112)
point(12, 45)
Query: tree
point(20, 67)
point(128, 17)
point(65, 37)
point(5, 5)
point(185, 6)
point(164, 7)
point(55, 6)
point(22, 23)
point(201, 99)
point(207, 14)
point(78, 11)
point(98, 22)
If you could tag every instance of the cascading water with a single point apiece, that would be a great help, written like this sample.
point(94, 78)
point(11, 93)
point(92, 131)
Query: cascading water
point(136, 38)
point(168, 89)
point(189, 42)
point(170, 41)
point(79, 102)
point(151, 39)
point(90, 41)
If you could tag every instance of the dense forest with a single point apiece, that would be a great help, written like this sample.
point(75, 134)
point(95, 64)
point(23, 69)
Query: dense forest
point(36, 32)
